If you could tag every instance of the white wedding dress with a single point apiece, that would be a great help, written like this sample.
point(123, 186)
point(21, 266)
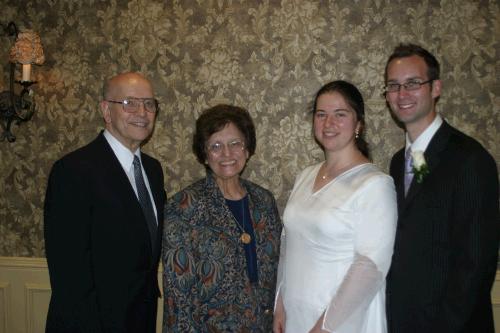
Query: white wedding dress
point(336, 249)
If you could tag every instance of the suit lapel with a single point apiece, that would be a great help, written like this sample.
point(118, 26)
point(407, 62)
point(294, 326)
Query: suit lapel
point(118, 179)
point(432, 157)
point(115, 174)
point(397, 173)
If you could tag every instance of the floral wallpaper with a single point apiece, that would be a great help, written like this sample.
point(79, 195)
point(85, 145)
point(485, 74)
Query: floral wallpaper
point(268, 56)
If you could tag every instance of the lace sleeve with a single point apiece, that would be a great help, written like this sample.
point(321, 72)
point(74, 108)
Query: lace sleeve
point(374, 229)
point(360, 284)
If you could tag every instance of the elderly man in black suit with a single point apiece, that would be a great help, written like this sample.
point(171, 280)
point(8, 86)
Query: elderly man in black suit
point(446, 247)
point(103, 221)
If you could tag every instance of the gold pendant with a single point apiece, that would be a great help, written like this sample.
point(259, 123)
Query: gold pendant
point(245, 238)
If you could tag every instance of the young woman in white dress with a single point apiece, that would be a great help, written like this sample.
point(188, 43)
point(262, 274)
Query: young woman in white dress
point(339, 228)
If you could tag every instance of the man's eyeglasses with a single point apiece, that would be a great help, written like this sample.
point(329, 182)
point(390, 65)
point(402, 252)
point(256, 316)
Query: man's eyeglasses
point(235, 146)
point(132, 104)
point(408, 85)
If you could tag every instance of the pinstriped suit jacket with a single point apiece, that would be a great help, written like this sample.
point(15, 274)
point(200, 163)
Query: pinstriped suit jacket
point(446, 246)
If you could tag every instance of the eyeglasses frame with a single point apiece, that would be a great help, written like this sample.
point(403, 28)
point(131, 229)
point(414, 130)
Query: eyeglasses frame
point(142, 100)
point(405, 86)
point(228, 145)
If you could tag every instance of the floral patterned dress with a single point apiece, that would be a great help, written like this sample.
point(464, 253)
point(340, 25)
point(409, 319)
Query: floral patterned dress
point(206, 285)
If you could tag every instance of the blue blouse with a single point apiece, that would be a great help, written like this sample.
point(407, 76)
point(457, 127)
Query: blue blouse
point(241, 213)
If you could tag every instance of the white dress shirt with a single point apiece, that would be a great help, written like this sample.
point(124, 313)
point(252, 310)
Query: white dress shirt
point(126, 159)
point(423, 140)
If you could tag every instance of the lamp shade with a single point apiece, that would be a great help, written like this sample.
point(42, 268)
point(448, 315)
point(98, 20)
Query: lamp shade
point(27, 49)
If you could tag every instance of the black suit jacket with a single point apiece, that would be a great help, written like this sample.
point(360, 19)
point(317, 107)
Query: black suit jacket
point(446, 248)
point(102, 268)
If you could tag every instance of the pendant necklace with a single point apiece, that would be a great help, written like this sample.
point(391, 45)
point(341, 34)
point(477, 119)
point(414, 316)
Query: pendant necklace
point(245, 237)
point(326, 173)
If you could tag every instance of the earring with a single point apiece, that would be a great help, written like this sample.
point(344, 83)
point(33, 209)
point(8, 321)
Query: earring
point(357, 134)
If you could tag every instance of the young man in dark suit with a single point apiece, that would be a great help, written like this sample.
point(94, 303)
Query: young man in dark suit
point(446, 248)
point(103, 221)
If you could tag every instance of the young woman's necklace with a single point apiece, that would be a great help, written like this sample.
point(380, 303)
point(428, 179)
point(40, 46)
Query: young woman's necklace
point(328, 173)
point(245, 237)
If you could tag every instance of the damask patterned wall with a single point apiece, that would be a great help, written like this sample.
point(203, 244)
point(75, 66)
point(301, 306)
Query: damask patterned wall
point(268, 56)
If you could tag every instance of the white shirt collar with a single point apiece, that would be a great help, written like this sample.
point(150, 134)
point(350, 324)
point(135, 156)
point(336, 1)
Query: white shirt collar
point(423, 140)
point(124, 155)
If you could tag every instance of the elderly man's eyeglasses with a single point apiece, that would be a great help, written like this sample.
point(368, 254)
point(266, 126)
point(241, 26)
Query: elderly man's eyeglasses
point(235, 146)
point(408, 85)
point(132, 104)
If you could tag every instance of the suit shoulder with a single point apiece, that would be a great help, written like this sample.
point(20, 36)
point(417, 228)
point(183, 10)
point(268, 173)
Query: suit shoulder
point(396, 161)
point(149, 158)
point(153, 163)
point(468, 147)
point(463, 140)
point(79, 158)
point(74, 170)
point(398, 155)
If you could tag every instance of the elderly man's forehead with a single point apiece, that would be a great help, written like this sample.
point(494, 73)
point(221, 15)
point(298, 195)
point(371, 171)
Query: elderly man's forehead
point(127, 81)
point(129, 78)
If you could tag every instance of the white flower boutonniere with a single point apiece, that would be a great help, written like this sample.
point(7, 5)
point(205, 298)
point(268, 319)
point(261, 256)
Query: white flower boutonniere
point(420, 168)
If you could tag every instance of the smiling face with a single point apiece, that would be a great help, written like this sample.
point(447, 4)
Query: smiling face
point(335, 123)
point(131, 129)
point(416, 108)
point(229, 162)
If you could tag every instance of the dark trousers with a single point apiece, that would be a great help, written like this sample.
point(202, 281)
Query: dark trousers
point(144, 318)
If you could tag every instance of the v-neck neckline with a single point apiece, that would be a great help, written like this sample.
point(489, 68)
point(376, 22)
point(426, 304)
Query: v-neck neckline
point(333, 180)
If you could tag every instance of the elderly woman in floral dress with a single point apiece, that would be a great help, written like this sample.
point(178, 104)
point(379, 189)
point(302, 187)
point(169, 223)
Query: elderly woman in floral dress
point(221, 236)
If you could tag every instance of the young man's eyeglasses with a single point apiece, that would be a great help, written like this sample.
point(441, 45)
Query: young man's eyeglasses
point(408, 85)
point(132, 104)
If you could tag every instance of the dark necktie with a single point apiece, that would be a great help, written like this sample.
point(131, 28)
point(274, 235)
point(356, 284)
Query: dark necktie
point(145, 201)
point(408, 169)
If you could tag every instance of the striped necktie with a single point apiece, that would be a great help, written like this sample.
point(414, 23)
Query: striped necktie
point(145, 201)
point(408, 169)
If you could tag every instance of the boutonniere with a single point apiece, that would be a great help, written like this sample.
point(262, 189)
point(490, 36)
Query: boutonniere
point(420, 168)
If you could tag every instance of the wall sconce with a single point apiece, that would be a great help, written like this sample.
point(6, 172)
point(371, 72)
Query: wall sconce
point(27, 50)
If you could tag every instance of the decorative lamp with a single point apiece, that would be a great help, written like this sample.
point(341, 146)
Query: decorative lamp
point(27, 50)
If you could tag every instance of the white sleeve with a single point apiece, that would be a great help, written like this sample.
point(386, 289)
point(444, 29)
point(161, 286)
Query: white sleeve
point(281, 267)
point(374, 228)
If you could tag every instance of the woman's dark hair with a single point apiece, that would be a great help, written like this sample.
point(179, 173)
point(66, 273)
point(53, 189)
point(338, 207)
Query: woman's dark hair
point(354, 98)
point(215, 119)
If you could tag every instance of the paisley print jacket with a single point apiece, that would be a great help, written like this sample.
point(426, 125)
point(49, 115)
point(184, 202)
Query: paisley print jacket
point(206, 286)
